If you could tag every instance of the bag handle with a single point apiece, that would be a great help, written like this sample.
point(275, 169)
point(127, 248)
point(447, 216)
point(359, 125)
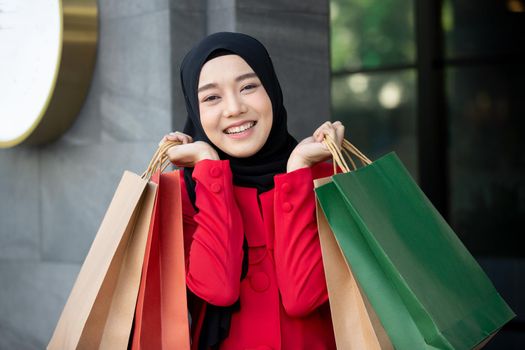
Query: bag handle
point(160, 160)
point(347, 152)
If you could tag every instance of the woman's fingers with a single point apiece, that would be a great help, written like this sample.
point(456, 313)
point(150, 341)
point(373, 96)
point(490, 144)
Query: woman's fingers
point(327, 129)
point(321, 131)
point(187, 155)
point(176, 137)
point(339, 132)
point(311, 150)
point(179, 155)
point(334, 130)
point(179, 136)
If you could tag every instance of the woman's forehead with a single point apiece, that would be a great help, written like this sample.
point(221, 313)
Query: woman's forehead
point(225, 68)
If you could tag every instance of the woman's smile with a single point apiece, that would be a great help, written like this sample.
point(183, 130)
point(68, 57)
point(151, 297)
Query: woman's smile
point(240, 130)
point(235, 109)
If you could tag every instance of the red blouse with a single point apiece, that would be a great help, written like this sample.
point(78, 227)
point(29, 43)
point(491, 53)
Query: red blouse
point(284, 301)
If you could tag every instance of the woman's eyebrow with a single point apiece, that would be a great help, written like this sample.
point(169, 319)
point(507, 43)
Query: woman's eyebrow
point(239, 78)
point(206, 86)
point(245, 76)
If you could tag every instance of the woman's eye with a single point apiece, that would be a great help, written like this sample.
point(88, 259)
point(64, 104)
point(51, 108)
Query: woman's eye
point(211, 98)
point(249, 87)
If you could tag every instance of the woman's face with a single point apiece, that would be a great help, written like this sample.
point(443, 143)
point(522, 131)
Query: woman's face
point(235, 110)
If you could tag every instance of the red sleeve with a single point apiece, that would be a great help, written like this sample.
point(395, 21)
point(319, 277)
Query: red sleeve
point(298, 260)
point(215, 235)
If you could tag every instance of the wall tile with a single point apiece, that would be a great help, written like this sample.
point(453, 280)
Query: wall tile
point(77, 186)
point(19, 204)
point(114, 9)
point(186, 29)
point(87, 128)
point(221, 5)
point(135, 74)
point(189, 6)
point(221, 19)
point(290, 6)
point(31, 302)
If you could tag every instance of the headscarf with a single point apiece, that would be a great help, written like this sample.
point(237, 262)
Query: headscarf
point(256, 171)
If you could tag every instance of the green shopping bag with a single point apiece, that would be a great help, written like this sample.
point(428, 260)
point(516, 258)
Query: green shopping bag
point(427, 289)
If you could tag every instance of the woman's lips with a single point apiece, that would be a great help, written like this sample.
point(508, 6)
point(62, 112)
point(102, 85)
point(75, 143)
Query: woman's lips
point(242, 133)
point(240, 127)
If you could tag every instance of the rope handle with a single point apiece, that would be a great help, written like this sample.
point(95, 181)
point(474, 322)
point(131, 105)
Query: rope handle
point(347, 152)
point(159, 160)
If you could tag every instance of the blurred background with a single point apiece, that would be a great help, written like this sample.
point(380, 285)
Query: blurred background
point(442, 83)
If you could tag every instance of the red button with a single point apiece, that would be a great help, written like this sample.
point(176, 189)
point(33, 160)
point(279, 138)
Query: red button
point(215, 171)
point(216, 187)
point(286, 187)
point(259, 281)
point(287, 207)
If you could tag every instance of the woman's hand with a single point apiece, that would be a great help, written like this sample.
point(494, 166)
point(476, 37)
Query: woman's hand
point(188, 153)
point(311, 150)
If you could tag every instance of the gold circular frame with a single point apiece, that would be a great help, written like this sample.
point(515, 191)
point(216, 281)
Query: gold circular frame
point(72, 77)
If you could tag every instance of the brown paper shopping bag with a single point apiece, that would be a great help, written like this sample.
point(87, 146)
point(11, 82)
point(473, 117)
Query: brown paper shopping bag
point(356, 325)
point(161, 316)
point(100, 309)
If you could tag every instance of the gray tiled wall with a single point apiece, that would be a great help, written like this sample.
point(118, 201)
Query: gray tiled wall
point(53, 197)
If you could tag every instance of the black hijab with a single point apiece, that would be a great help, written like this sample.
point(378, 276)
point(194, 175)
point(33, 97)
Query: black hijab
point(256, 171)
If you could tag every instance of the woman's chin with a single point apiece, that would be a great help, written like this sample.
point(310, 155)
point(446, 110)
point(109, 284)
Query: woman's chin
point(244, 153)
point(241, 150)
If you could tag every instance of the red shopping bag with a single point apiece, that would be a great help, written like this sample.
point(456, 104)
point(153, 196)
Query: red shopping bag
point(161, 315)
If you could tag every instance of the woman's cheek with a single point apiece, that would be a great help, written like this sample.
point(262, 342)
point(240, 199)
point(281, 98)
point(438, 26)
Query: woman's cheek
point(207, 122)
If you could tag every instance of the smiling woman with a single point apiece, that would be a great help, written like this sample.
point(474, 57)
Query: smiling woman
point(235, 110)
point(254, 265)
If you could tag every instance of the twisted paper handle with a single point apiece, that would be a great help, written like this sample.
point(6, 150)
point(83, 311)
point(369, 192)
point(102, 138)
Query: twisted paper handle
point(160, 159)
point(347, 152)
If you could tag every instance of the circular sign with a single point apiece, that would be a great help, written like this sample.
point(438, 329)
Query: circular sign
point(47, 54)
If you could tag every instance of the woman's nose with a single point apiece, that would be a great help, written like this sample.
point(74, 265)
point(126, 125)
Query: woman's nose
point(234, 106)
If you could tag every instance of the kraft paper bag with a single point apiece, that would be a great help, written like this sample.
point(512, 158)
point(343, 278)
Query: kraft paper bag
point(356, 325)
point(99, 311)
point(161, 318)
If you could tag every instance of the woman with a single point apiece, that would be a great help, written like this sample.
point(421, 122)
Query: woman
point(254, 265)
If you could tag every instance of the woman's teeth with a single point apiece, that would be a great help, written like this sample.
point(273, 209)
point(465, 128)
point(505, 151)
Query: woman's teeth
point(239, 129)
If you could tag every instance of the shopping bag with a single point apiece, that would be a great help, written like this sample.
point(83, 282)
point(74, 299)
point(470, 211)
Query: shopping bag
point(426, 288)
point(356, 325)
point(161, 316)
point(100, 309)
